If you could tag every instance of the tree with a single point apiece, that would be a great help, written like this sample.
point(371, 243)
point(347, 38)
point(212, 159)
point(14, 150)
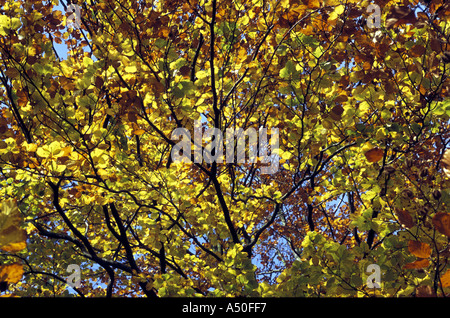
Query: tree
point(86, 149)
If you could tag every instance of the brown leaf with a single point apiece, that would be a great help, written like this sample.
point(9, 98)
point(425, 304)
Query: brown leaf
point(374, 155)
point(420, 263)
point(336, 112)
point(405, 218)
point(435, 45)
point(417, 50)
point(341, 98)
point(98, 82)
point(185, 70)
point(419, 249)
point(132, 116)
point(401, 11)
point(441, 222)
point(399, 15)
point(425, 291)
point(404, 13)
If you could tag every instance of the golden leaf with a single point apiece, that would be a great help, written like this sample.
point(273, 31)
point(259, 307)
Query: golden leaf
point(11, 273)
point(12, 237)
point(138, 132)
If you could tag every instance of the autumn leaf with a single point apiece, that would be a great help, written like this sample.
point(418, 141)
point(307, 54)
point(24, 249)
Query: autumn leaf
point(441, 222)
point(138, 132)
point(405, 218)
point(418, 264)
point(418, 249)
point(336, 112)
point(185, 70)
point(356, 119)
point(399, 15)
point(417, 50)
point(446, 163)
point(11, 274)
point(425, 291)
point(374, 155)
point(445, 279)
point(12, 237)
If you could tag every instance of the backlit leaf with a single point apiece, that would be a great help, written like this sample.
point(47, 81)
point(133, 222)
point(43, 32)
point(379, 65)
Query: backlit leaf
point(356, 116)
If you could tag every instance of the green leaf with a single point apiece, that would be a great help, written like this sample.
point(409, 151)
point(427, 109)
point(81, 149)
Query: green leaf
point(288, 70)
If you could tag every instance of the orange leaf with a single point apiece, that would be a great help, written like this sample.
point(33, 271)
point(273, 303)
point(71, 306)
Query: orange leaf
point(420, 263)
point(418, 249)
point(445, 279)
point(441, 222)
point(374, 155)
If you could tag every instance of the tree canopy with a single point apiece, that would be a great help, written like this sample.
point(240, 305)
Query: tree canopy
point(91, 92)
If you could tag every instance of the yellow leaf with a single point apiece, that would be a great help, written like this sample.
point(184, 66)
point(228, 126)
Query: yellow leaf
point(42, 152)
point(131, 69)
point(337, 11)
point(31, 147)
point(286, 155)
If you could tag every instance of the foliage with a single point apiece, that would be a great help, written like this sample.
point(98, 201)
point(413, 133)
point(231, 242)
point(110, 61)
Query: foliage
point(85, 148)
